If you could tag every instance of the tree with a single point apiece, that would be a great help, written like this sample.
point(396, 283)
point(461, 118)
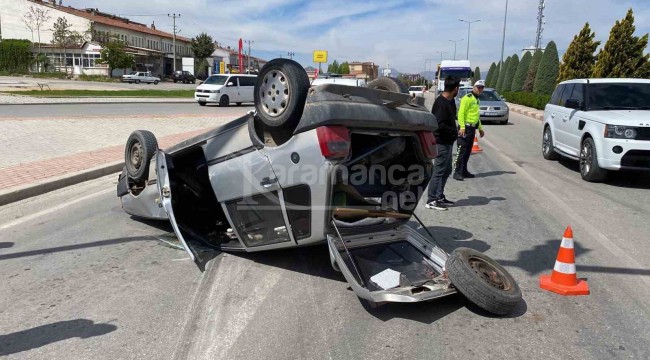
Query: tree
point(333, 68)
point(495, 76)
point(490, 74)
point(522, 71)
point(34, 20)
point(510, 74)
point(622, 56)
point(578, 60)
point(344, 68)
point(64, 38)
point(113, 54)
point(549, 68)
point(529, 84)
point(502, 74)
point(477, 75)
point(202, 46)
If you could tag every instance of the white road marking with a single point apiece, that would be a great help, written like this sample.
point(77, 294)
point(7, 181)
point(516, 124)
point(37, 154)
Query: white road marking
point(36, 215)
point(576, 218)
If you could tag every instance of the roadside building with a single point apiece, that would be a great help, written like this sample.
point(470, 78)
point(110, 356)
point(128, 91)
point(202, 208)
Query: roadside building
point(364, 70)
point(152, 49)
point(416, 78)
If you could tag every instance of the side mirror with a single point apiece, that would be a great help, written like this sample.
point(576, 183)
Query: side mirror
point(573, 104)
point(230, 83)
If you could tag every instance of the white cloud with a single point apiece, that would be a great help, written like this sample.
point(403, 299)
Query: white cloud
point(400, 32)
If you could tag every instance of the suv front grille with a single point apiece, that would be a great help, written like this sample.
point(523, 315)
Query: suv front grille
point(643, 133)
point(637, 159)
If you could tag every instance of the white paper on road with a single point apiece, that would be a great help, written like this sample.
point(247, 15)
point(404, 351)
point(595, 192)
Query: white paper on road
point(386, 279)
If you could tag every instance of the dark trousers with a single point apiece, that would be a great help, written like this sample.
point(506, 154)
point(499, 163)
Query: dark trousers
point(465, 150)
point(442, 167)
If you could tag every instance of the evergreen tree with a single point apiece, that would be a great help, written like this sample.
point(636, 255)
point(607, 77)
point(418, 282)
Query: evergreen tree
point(549, 67)
point(502, 74)
point(622, 56)
point(495, 76)
point(334, 67)
point(477, 75)
point(344, 68)
point(510, 74)
point(578, 60)
point(522, 71)
point(529, 84)
point(490, 74)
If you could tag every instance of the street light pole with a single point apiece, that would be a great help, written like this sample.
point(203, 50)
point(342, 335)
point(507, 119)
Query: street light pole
point(441, 52)
point(455, 42)
point(469, 27)
point(503, 40)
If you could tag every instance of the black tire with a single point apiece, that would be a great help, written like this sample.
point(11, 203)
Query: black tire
point(280, 93)
point(137, 81)
point(548, 150)
point(504, 122)
point(589, 168)
point(175, 81)
point(201, 103)
point(483, 281)
point(224, 101)
point(238, 104)
point(155, 82)
point(140, 149)
point(387, 83)
point(193, 81)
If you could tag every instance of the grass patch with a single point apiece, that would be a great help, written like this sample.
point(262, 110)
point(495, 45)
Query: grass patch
point(107, 93)
point(49, 75)
point(98, 78)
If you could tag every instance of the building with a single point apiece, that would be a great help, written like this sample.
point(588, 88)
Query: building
point(412, 77)
point(152, 49)
point(364, 70)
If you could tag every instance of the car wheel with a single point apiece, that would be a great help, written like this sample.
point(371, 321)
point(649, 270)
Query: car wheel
point(193, 81)
point(504, 122)
point(280, 93)
point(238, 104)
point(387, 83)
point(483, 281)
point(548, 150)
point(589, 168)
point(137, 81)
point(156, 82)
point(140, 149)
point(202, 103)
point(224, 101)
point(175, 81)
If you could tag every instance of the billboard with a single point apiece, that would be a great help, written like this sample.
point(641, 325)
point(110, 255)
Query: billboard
point(320, 56)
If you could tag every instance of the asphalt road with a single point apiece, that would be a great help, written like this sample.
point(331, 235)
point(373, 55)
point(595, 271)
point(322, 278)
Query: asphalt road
point(23, 83)
point(117, 109)
point(81, 279)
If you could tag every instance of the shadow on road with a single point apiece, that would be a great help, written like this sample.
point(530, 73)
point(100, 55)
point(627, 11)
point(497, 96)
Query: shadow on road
point(494, 173)
point(477, 201)
point(624, 179)
point(75, 247)
point(451, 238)
point(426, 312)
point(46, 334)
point(6, 245)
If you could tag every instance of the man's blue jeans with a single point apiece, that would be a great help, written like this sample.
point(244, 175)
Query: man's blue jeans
point(442, 167)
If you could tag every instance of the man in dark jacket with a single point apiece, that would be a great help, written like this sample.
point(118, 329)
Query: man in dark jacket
point(444, 108)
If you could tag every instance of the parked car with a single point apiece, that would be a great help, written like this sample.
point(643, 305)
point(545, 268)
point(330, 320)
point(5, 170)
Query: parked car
point(225, 89)
point(140, 76)
point(492, 107)
point(603, 123)
point(301, 170)
point(417, 90)
point(185, 77)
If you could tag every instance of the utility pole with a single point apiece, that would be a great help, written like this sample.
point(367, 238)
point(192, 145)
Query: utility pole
point(540, 23)
point(455, 42)
point(503, 40)
point(174, 16)
point(469, 28)
point(441, 52)
point(249, 42)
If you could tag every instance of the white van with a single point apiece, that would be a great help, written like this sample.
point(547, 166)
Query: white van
point(225, 89)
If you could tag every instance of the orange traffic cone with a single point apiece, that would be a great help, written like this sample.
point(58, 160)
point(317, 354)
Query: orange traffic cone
point(563, 280)
point(475, 147)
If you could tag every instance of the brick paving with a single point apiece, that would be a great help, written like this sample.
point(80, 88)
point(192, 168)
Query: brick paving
point(33, 150)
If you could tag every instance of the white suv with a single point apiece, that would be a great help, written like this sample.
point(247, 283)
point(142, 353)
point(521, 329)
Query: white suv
point(603, 123)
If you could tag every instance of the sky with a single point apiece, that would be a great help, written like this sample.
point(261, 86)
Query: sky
point(402, 34)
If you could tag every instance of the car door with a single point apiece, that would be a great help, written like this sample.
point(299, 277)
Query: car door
point(247, 88)
point(575, 122)
point(561, 117)
point(233, 90)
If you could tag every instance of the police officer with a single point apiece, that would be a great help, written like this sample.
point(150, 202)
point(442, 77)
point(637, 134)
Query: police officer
point(469, 120)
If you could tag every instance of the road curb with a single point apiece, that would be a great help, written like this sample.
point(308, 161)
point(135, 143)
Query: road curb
point(15, 194)
point(526, 111)
point(104, 102)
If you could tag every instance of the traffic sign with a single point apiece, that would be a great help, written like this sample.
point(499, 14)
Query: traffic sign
point(320, 56)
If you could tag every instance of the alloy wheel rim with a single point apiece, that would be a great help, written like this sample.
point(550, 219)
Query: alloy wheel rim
point(136, 155)
point(275, 93)
point(546, 143)
point(586, 157)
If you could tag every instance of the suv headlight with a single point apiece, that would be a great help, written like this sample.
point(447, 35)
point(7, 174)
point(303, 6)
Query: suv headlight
point(215, 91)
point(620, 132)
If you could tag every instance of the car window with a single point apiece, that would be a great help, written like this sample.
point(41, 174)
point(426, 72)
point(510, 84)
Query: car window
point(566, 94)
point(247, 81)
point(578, 93)
point(611, 96)
point(259, 219)
point(216, 80)
point(489, 96)
point(556, 95)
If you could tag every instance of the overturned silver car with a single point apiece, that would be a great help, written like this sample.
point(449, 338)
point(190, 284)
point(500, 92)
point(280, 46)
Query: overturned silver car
point(330, 163)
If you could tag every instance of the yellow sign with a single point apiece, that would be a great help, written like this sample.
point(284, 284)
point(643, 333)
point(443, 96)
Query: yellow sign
point(320, 56)
point(222, 67)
